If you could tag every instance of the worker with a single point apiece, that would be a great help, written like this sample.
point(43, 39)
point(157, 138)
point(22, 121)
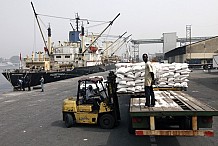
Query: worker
point(149, 81)
point(20, 83)
point(89, 92)
point(27, 80)
point(90, 98)
point(42, 83)
point(23, 83)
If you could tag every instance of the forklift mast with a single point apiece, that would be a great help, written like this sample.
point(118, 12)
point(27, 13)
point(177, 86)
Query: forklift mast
point(112, 94)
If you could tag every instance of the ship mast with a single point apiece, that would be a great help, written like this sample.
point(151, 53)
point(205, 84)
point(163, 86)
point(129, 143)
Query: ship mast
point(77, 22)
point(49, 41)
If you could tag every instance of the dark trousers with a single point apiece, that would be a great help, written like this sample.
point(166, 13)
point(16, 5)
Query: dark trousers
point(23, 86)
point(149, 94)
point(29, 88)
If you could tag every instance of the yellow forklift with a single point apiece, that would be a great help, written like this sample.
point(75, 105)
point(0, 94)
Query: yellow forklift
point(97, 109)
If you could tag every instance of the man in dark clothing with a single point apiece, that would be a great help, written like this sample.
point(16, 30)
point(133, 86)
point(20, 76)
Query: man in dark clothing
point(28, 82)
point(23, 83)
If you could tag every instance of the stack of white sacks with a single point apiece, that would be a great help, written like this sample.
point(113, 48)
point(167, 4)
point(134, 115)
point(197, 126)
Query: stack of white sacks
point(130, 76)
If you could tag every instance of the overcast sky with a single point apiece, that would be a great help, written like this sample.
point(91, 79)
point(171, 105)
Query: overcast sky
point(144, 19)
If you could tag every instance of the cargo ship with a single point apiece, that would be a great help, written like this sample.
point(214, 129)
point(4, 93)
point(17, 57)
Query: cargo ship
point(81, 55)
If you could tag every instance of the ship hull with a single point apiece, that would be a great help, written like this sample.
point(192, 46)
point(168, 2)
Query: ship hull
point(52, 76)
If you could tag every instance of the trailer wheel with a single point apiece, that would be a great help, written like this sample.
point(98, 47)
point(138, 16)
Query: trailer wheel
point(107, 121)
point(69, 120)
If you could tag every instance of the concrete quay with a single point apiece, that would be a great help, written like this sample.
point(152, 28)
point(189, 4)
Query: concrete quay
point(35, 118)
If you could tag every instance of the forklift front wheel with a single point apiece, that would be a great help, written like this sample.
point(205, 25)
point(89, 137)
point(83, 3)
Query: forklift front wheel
point(69, 121)
point(107, 121)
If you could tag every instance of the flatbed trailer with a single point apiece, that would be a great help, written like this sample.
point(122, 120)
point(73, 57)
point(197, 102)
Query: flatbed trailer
point(175, 114)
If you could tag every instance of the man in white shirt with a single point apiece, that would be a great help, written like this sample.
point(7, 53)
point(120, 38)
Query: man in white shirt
point(89, 92)
point(20, 83)
point(149, 81)
point(90, 99)
point(42, 83)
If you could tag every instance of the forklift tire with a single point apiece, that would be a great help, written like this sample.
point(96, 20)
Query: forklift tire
point(107, 121)
point(69, 121)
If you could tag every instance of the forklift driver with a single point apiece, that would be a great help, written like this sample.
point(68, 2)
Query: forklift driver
point(89, 92)
point(90, 97)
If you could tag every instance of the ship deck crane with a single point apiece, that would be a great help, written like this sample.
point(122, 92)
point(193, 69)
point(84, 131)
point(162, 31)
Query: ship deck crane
point(121, 44)
point(114, 42)
point(100, 34)
point(36, 15)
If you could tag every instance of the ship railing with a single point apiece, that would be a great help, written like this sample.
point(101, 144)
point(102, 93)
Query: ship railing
point(35, 59)
point(23, 70)
point(29, 70)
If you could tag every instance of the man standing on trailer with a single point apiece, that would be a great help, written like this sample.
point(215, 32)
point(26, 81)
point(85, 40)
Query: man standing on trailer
point(149, 81)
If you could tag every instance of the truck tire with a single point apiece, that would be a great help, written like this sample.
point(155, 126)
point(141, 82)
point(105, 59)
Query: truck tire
point(69, 120)
point(107, 121)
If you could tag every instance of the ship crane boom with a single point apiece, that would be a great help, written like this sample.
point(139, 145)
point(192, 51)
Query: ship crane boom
point(36, 15)
point(114, 41)
point(121, 44)
point(101, 33)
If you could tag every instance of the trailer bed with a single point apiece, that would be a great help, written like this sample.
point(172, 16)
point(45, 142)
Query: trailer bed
point(171, 102)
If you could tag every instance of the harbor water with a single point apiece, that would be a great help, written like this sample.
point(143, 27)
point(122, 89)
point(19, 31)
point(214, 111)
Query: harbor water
point(5, 86)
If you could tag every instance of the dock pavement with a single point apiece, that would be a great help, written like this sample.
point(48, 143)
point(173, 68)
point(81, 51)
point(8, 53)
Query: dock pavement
point(35, 118)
